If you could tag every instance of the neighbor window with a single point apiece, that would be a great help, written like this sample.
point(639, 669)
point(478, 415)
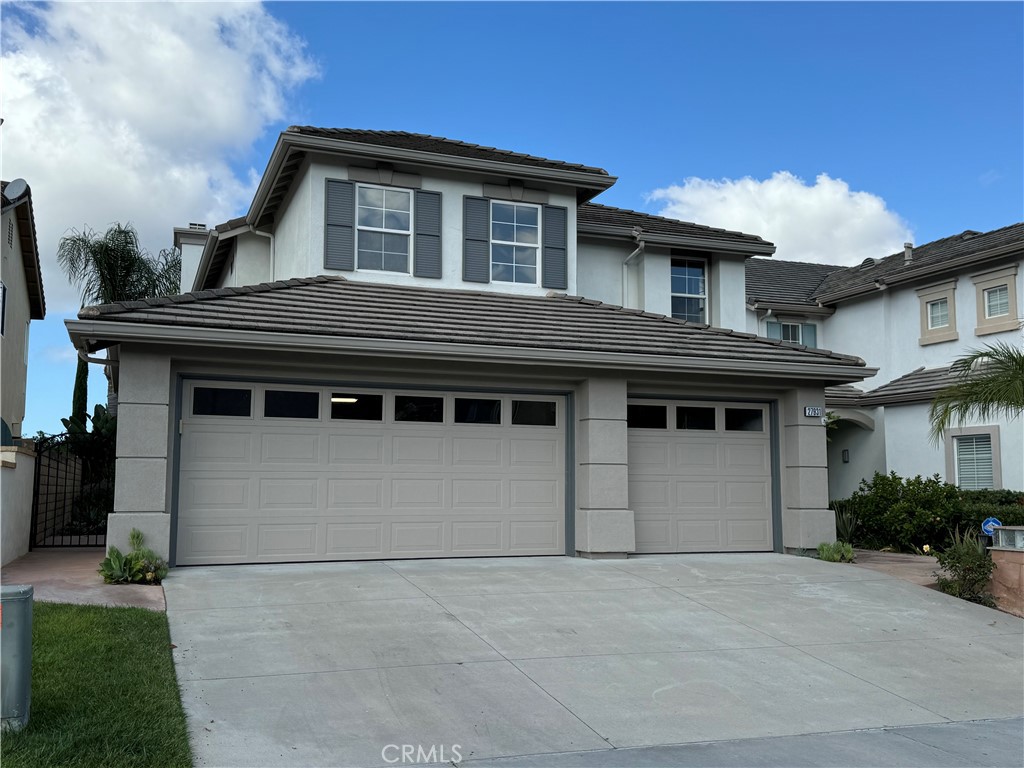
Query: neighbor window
point(689, 290)
point(515, 242)
point(996, 296)
point(938, 313)
point(797, 333)
point(384, 225)
point(972, 457)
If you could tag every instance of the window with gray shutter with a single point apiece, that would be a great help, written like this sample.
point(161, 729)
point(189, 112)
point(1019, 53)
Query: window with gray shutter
point(339, 225)
point(555, 253)
point(427, 247)
point(973, 456)
point(476, 243)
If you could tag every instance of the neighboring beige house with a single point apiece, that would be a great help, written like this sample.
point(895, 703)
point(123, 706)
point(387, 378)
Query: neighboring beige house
point(911, 315)
point(388, 357)
point(21, 301)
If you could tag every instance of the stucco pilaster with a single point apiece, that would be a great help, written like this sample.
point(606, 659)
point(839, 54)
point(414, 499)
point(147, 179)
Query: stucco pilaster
point(806, 519)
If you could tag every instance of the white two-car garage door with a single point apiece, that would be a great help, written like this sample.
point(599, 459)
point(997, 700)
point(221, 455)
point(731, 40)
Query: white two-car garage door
point(278, 473)
point(700, 476)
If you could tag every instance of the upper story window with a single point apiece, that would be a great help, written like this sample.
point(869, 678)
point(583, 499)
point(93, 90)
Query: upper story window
point(689, 290)
point(797, 333)
point(996, 296)
point(384, 228)
point(515, 242)
point(938, 313)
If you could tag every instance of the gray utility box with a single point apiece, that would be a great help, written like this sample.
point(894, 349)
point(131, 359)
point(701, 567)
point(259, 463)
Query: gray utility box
point(15, 655)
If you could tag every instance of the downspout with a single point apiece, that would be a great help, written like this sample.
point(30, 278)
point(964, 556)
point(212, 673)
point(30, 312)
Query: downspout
point(637, 235)
point(273, 249)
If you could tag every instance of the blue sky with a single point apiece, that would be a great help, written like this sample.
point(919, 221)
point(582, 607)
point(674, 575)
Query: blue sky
point(835, 130)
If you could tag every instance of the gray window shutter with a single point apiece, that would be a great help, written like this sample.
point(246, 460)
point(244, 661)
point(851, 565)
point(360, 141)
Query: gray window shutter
point(427, 247)
point(339, 225)
point(476, 242)
point(555, 255)
point(809, 335)
point(775, 331)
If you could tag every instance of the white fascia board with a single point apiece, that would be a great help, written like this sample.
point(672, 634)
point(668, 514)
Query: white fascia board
point(86, 334)
point(678, 241)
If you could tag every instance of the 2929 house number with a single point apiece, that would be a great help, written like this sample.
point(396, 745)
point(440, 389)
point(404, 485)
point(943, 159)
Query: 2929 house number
point(814, 411)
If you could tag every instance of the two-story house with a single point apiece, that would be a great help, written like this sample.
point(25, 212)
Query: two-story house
point(910, 315)
point(21, 302)
point(388, 356)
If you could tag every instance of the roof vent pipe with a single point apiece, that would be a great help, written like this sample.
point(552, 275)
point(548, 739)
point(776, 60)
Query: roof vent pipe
point(908, 253)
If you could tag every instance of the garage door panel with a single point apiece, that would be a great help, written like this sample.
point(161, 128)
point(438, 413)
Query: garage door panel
point(207, 449)
point(419, 492)
point(218, 493)
point(356, 539)
point(227, 542)
point(534, 453)
point(356, 492)
point(355, 449)
point(477, 536)
point(534, 493)
point(303, 449)
point(714, 495)
point(531, 535)
point(417, 450)
point(278, 493)
point(477, 494)
point(476, 451)
point(422, 538)
point(287, 540)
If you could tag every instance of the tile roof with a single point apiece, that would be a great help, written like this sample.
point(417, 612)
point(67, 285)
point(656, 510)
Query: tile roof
point(784, 282)
point(336, 307)
point(606, 215)
point(918, 386)
point(843, 394)
point(438, 145)
point(930, 258)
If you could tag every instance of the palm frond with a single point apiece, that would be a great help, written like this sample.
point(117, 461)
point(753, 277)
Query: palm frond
point(989, 384)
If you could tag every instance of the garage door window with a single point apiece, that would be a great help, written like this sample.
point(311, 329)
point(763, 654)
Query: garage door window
point(357, 406)
point(291, 404)
point(413, 408)
point(744, 420)
point(533, 413)
point(218, 401)
point(477, 411)
point(695, 417)
point(647, 416)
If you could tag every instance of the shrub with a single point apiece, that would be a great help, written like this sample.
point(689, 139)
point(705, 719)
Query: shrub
point(837, 552)
point(969, 568)
point(904, 514)
point(141, 564)
point(1001, 498)
point(847, 520)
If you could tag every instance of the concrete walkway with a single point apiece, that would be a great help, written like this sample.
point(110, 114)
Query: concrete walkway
point(545, 659)
point(69, 575)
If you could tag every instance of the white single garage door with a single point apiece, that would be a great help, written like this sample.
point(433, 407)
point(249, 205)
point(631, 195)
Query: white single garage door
point(277, 473)
point(700, 476)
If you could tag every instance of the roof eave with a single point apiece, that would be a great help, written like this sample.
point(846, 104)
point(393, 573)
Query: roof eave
point(25, 214)
point(205, 260)
point(928, 270)
point(790, 307)
point(92, 335)
point(677, 241)
point(591, 184)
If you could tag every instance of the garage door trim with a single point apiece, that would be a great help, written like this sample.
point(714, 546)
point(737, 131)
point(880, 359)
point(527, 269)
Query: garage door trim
point(182, 378)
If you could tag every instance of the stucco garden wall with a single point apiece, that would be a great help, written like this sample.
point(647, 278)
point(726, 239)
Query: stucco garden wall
point(17, 477)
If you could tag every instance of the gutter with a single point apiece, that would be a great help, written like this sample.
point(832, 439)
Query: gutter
point(783, 308)
point(91, 334)
point(679, 241)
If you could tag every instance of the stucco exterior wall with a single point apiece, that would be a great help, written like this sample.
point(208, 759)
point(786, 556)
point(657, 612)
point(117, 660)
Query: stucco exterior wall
point(911, 451)
point(866, 455)
point(299, 246)
point(17, 477)
point(600, 272)
point(251, 264)
point(728, 293)
point(806, 519)
point(14, 343)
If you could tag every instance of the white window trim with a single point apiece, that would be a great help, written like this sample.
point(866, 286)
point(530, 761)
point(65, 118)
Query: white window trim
point(705, 295)
point(383, 230)
point(493, 241)
point(929, 295)
point(943, 300)
point(986, 292)
point(985, 281)
point(950, 436)
point(799, 331)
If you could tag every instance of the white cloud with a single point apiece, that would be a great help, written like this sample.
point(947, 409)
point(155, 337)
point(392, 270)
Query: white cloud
point(825, 222)
point(134, 112)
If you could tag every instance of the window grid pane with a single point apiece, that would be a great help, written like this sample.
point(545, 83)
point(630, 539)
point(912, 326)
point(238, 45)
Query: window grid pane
point(515, 238)
point(384, 218)
point(997, 301)
point(689, 290)
point(974, 462)
point(791, 332)
point(938, 313)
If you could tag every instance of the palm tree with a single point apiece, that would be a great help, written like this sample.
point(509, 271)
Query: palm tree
point(989, 383)
point(114, 267)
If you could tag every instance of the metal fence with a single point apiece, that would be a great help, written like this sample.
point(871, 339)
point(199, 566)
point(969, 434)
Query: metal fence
point(74, 492)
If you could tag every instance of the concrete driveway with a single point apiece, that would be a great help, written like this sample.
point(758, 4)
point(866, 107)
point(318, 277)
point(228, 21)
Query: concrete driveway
point(344, 664)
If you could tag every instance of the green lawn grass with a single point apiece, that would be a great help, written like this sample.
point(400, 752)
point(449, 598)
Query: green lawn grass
point(103, 692)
